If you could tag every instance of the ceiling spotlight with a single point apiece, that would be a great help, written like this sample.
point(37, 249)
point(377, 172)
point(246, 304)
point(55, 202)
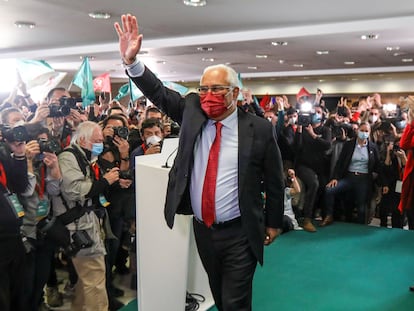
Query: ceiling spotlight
point(261, 56)
point(298, 65)
point(407, 60)
point(206, 59)
point(322, 52)
point(281, 61)
point(195, 2)
point(20, 24)
point(279, 43)
point(370, 37)
point(252, 67)
point(349, 63)
point(392, 48)
point(204, 49)
point(399, 53)
point(100, 15)
point(87, 56)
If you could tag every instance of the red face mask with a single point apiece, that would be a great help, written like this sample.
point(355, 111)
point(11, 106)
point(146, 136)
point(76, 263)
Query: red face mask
point(213, 105)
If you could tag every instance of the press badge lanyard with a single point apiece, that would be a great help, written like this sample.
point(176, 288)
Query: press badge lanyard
point(11, 197)
point(40, 187)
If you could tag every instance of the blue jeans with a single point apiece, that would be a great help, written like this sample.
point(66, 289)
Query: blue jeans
point(357, 189)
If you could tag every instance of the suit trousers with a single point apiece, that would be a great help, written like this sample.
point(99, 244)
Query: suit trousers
point(229, 262)
point(90, 290)
point(12, 262)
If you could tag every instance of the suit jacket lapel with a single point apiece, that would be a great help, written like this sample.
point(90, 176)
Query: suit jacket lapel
point(245, 127)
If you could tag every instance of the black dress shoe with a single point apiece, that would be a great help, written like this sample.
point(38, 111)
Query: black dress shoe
point(412, 288)
point(115, 304)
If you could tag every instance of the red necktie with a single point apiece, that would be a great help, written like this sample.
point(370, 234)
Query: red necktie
point(208, 199)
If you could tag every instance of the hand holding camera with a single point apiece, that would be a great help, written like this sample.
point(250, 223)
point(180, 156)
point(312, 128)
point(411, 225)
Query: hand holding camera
point(112, 175)
point(32, 149)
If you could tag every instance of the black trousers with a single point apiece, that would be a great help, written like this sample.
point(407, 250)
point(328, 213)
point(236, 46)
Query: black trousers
point(12, 261)
point(230, 264)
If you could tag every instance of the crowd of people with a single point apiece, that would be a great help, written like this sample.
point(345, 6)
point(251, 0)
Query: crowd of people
point(67, 179)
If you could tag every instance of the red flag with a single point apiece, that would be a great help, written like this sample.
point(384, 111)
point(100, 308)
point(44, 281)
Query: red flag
point(102, 83)
point(264, 102)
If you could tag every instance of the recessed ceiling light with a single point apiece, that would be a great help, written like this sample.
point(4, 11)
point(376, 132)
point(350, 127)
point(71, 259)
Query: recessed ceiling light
point(204, 49)
point(88, 56)
point(399, 53)
point(298, 65)
point(370, 36)
point(281, 61)
point(392, 48)
point(322, 52)
point(321, 80)
point(206, 59)
point(261, 56)
point(354, 79)
point(21, 24)
point(349, 63)
point(252, 67)
point(195, 2)
point(100, 15)
point(279, 43)
point(407, 60)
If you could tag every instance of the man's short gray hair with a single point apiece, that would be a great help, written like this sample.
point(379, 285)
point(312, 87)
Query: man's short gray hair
point(232, 77)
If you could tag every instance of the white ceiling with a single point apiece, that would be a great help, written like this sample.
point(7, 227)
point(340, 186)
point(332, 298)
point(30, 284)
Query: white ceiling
point(237, 30)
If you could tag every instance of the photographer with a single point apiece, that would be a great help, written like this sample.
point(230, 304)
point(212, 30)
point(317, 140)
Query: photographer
point(83, 189)
point(311, 144)
point(13, 180)
point(120, 194)
point(43, 166)
point(152, 135)
point(60, 115)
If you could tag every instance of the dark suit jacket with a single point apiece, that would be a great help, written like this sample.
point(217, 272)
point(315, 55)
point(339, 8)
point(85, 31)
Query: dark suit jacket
point(259, 161)
point(344, 160)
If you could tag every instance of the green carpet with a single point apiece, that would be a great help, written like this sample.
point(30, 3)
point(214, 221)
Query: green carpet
point(342, 267)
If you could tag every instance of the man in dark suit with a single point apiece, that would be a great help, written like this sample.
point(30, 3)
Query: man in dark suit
point(230, 238)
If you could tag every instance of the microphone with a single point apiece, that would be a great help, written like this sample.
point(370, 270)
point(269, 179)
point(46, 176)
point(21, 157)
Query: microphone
point(168, 158)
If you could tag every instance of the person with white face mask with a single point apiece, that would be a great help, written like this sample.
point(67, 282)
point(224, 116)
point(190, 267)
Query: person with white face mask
point(224, 155)
point(152, 136)
point(353, 176)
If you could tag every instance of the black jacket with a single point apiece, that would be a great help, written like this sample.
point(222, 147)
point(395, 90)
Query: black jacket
point(259, 161)
point(17, 181)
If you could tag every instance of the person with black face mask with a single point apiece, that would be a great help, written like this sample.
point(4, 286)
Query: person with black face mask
point(224, 155)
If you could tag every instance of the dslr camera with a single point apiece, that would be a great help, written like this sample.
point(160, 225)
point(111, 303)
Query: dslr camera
point(56, 230)
point(51, 146)
point(17, 133)
point(121, 131)
point(63, 108)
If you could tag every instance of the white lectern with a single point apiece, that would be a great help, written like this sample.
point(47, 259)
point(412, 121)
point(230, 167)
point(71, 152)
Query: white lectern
point(167, 260)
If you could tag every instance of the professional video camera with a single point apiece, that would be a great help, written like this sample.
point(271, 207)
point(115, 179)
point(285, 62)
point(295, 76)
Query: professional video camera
point(17, 133)
point(338, 128)
point(391, 111)
point(63, 108)
point(306, 110)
